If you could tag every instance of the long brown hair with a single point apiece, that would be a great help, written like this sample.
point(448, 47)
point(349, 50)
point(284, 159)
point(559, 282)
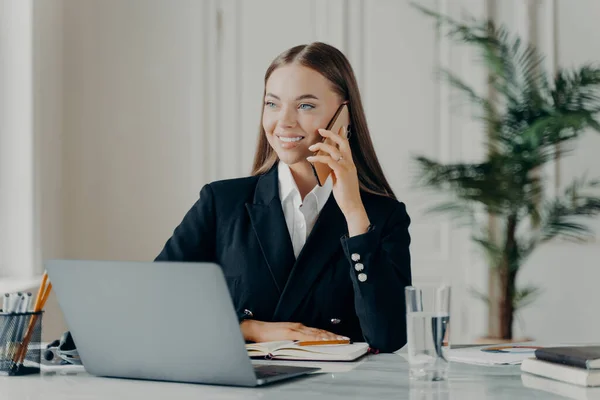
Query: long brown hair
point(333, 65)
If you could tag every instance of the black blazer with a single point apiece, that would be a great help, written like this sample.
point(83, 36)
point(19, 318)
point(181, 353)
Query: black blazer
point(239, 224)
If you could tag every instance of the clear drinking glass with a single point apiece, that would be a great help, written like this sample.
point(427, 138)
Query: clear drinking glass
point(428, 331)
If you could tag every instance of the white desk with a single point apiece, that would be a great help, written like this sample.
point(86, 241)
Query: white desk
point(381, 377)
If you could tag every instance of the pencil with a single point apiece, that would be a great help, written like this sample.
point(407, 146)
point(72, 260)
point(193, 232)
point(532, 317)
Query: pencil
point(40, 292)
point(322, 342)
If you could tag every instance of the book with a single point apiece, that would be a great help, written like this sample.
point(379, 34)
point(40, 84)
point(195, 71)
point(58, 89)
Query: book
point(564, 389)
point(291, 350)
point(561, 372)
point(492, 355)
point(576, 356)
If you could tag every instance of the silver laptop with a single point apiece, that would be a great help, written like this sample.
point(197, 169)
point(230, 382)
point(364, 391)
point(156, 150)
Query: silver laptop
point(165, 321)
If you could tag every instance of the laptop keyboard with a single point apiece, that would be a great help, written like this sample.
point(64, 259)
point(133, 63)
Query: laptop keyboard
point(269, 371)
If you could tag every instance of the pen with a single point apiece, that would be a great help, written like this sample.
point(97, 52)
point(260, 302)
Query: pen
point(4, 321)
point(5, 303)
point(27, 307)
point(322, 342)
point(24, 308)
point(18, 320)
point(13, 300)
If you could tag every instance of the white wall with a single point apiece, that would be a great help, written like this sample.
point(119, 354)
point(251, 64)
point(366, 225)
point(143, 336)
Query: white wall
point(48, 128)
point(17, 165)
point(132, 106)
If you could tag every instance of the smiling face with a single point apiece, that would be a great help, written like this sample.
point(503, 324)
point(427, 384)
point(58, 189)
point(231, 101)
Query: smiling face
point(298, 102)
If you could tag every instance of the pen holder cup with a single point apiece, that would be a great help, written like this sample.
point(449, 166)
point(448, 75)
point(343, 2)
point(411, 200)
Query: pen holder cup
point(20, 343)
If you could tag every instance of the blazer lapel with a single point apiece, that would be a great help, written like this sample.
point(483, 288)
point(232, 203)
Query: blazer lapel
point(321, 244)
point(268, 222)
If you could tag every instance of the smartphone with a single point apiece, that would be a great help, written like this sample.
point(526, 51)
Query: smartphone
point(340, 124)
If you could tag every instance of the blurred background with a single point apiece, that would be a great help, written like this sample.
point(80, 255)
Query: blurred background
point(114, 113)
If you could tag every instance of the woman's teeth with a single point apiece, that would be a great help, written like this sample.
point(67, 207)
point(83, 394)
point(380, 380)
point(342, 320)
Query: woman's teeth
point(289, 140)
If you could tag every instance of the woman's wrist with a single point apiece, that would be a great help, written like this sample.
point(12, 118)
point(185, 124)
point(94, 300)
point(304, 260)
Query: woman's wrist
point(251, 330)
point(248, 328)
point(358, 222)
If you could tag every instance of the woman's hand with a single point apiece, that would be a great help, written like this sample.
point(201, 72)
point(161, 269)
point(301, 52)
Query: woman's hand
point(346, 189)
point(260, 331)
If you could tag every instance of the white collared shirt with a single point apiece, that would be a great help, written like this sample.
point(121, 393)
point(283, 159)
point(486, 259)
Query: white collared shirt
point(300, 217)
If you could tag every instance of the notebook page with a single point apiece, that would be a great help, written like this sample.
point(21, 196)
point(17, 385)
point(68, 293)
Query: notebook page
point(268, 347)
point(325, 352)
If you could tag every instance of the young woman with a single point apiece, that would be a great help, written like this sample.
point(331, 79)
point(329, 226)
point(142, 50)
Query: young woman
point(303, 261)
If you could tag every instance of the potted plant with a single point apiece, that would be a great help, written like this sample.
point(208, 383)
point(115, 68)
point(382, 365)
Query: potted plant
point(531, 119)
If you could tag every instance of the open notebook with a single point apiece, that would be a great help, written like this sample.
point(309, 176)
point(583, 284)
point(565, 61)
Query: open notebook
point(289, 350)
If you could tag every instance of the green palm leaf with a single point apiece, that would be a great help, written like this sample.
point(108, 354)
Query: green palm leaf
point(563, 214)
point(525, 296)
point(491, 250)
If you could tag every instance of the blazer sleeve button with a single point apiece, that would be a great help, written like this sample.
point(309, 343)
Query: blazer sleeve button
point(248, 313)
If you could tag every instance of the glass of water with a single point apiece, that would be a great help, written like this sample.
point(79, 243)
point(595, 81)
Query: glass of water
point(428, 331)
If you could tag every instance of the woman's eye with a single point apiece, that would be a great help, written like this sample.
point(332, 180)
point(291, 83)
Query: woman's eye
point(269, 104)
point(305, 106)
